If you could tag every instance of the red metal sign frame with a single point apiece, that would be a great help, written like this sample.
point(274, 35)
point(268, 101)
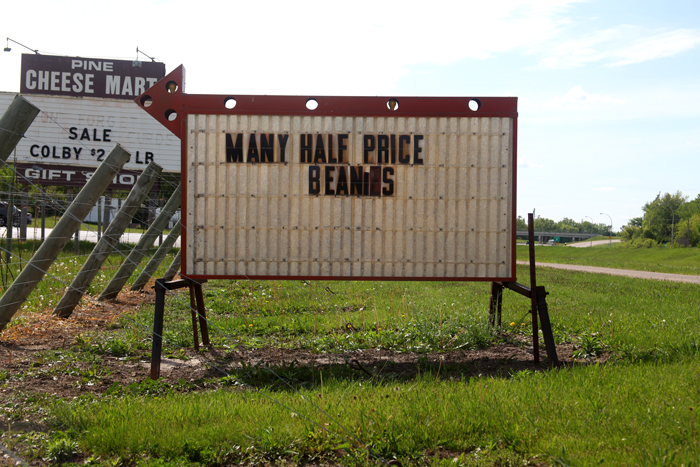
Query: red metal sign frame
point(167, 102)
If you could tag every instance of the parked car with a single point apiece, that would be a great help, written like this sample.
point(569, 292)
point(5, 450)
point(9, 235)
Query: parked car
point(3, 214)
point(15, 217)
point(18, 216)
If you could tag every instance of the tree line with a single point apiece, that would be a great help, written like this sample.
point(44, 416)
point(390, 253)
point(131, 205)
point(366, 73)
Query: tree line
point(542, 224)
point(668, 219)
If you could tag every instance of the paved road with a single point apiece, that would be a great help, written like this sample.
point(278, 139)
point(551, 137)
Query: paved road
point(34, 233)
point(588, 244)
point(659, 276)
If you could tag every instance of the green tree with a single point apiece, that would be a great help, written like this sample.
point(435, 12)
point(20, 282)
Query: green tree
point(661, 214)
point(688, 231)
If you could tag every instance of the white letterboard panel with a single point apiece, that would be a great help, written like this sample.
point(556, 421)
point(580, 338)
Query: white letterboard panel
point(80, 132)
point(349, 197)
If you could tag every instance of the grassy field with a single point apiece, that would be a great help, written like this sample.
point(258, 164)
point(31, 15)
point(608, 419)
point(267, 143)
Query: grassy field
point(634, 407)
point(670, 260)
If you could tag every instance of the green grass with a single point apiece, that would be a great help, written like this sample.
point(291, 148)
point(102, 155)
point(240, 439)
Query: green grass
point(588, 415)
point(669, 260)
point(633, 410)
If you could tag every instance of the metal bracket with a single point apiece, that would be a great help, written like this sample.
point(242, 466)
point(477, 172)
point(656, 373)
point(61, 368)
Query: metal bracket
point(196, 301)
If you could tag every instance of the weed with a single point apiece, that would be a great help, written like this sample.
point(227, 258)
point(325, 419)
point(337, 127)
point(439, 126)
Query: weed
point(590, 346)
point(61, 448)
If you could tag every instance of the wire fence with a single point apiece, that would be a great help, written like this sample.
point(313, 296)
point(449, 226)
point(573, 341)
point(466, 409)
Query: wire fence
point(17, 248)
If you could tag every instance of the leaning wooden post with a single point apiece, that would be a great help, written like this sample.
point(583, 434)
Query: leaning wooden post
point(30, 276)
point(173, 268)
point(14, 123)
point(134, 259)
point(153, 264)
point(533, 287)
point(108, 243)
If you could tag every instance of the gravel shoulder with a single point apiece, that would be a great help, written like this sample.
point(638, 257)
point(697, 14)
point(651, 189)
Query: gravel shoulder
point(659, 276)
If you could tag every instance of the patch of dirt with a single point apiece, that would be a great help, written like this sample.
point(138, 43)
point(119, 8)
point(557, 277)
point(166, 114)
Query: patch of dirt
point(30, 334)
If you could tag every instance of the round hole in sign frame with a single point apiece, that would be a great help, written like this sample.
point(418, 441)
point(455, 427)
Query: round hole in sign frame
point(146, 101)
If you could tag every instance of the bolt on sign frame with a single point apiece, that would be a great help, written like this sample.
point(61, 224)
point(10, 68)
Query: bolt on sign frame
point(356, 188)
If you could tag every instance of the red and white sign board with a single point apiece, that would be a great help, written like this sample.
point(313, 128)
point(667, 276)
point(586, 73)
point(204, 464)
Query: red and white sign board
point(392, 188)
point(87, 77)
point(80, 132)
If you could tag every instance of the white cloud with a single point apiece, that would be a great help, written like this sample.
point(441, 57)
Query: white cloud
point(281, 47)
point(528, 164)
point(604, 188)
point(576, 98)
point(619, 46)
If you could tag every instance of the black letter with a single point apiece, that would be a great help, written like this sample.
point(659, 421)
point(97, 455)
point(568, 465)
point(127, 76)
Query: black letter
point(306, 148)
point(331, 159)
point(368, 146)
point(234, 153)
point(417, 149)
point(389, 190)
point(329, 178)
point(356, 175)
point(314, 179)
point(73, 133)
point(407, 158)
point(253, 155)
point(342, 147)
point(283, 145)
point(393, 149)
point(382, 149)
point(105, 135)
point(149, 157)
point(341, 188)
point(267, 148)
point(85, 135)
point(320, 155)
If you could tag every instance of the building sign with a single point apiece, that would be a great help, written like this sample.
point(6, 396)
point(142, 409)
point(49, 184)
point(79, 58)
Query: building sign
point(60, 175)
point(87, 77)
point(349, 190)
point(75, 132)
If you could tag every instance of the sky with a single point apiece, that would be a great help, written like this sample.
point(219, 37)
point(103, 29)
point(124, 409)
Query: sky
point(608, 91)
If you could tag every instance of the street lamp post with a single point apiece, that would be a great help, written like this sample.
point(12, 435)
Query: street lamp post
point(588, 217)
point(673, 223)
point(611, 226)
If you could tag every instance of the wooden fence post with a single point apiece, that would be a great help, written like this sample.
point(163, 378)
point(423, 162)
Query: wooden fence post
point(108, 243)
point(153, 264)
point(173, 268)
point(137, 254)
point(14, 123)
point(30, 276)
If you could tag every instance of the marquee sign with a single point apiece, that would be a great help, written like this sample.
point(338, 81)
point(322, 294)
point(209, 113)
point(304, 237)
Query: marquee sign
point(87, 77)
point(404, 188)
point(75, 133)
